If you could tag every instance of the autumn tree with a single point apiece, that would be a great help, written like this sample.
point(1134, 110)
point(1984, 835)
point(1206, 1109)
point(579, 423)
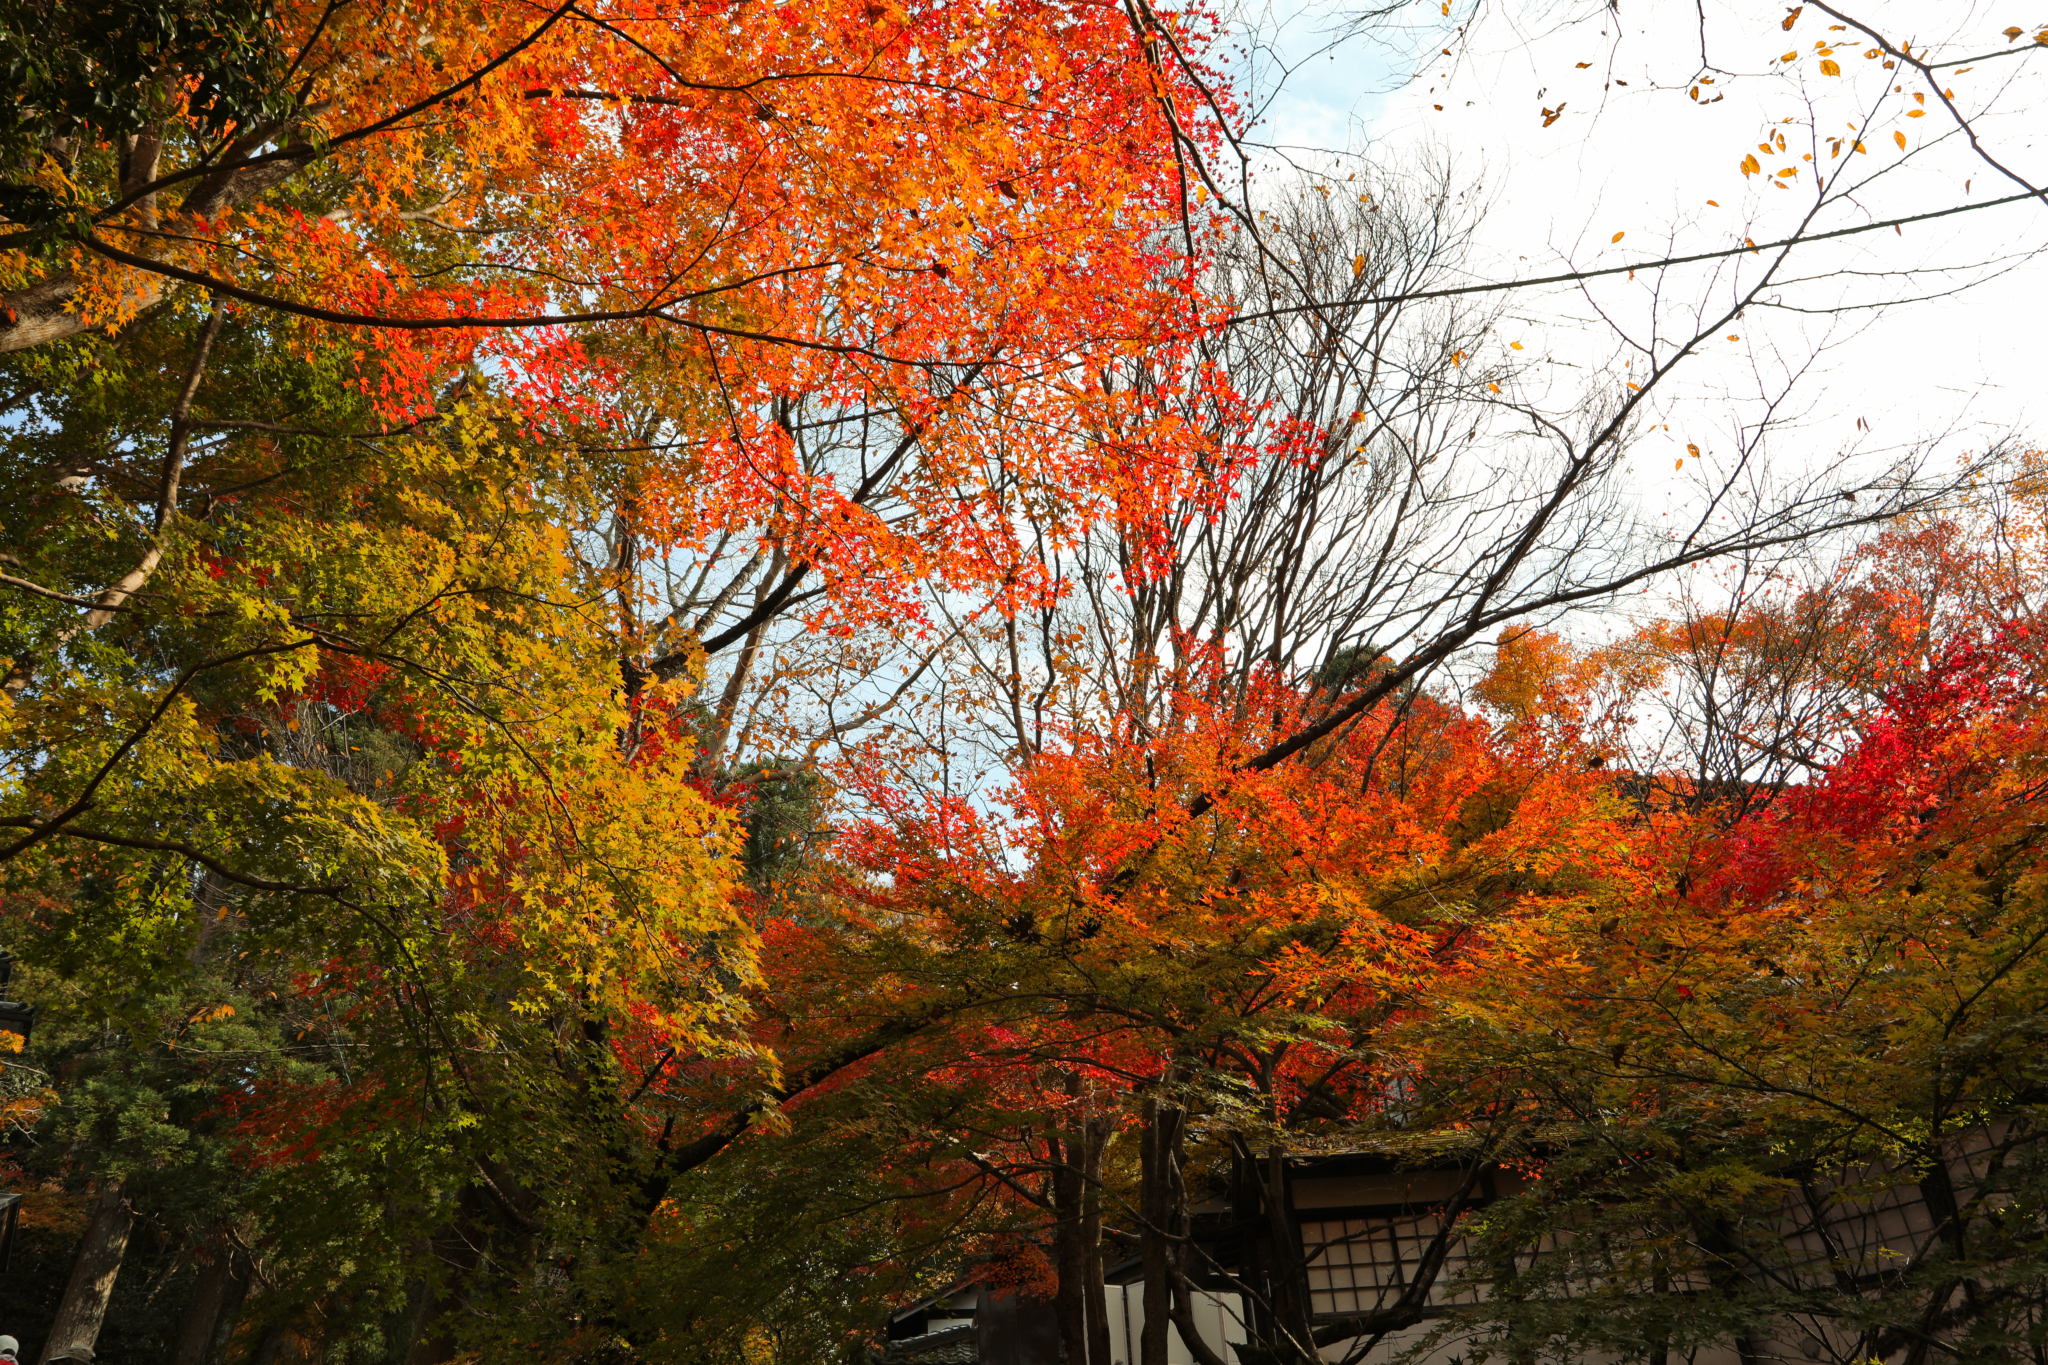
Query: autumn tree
point(1205, 679)
point(269, 771)
point(1779, 1088)
point(485, 483)
point(331, 702)
point(1765, 673)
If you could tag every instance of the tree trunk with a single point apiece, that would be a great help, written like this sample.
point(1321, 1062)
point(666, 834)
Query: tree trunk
point(203, 1312)
point(1070, 1300)
point(240, 1273)
point(460, 1247)
point(271, 1344)
point(1184, 1319)
point(1155, 1182)
point(1718, 1239)
point(84, 1306)
point(1660, 1339)
point(1255, 1259)
point(1293, 1325)
point(1095, 1133)
point(1181, 1298)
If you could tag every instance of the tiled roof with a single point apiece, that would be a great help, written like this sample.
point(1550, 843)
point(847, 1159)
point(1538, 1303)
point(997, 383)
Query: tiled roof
point(952, 1346)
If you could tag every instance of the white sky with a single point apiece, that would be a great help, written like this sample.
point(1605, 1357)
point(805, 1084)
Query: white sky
point(1644, 159)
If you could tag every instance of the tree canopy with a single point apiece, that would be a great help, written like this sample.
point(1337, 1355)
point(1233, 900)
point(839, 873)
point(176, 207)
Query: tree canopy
point(675, 675)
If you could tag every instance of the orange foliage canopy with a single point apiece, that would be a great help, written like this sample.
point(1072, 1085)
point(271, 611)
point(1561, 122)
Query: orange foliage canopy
point(859, 178)
point(1270, 938)
point(941, 219)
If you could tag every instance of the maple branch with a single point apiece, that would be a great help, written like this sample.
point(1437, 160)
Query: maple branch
point(278, 429)
point(300, 154)
point(43, 311)
point(43, 829)
point(462, 322)
point(312, 39)
point(495, 1184)
point(652, 1075)
point(606, 96)
point(835, 729)
point(725, 595)
point(1485, 612)
point(1143, 23)
point(660, 311)
point(1005, 1179)
point(682, 1160)
point(450, 685)
point(303, 153)
point(11, 581)
point(1408, 1309)
point(1192, 73)
point(441, 96)
point(762, 611)
point(205, 860)
point(748, 87)
point(181, 424)
point(779, 597)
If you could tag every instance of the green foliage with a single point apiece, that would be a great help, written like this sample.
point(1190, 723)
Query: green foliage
point(340, 896)
point(784, 816)
point(148, 1098)
point(95, 71)
point(1351, 667)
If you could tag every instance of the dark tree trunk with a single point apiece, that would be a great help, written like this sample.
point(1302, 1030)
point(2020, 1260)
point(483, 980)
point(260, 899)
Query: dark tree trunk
point(1660, 1350)
point(1293, 1330)
point(203, 1311)
point(1154, 1155)
point(1177, 1224)
point(1255, 1247)
point(458, 1249)
point(1095, 1133)
point(1082, 1304)
point(271, 1344)
point(490, 1242)
point(1070, 1258)
point(84, 1305)
point(1184, 1319)
point(240, 1273)
point(1719, 1241)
